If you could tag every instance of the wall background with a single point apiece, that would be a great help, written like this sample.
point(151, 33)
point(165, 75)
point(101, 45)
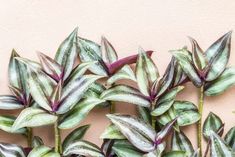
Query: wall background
point(30, 25)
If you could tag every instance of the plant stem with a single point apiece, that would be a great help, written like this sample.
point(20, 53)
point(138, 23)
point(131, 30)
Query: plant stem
point(29, 137)
point(112, 108)
point(199, 129)
point(58, 147)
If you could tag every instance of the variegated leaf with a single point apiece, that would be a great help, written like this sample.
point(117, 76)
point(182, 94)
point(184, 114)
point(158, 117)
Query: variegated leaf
point(212, 123)
point(33, 117)
point(83, 148)
point(74, 91)
point(78, 113)
point(112, 132)
point(229, 138)
point(109, 54)
point(90, 51)
point(176, 153)
point(43, 151)
point(218, 55)
point(51, 67)
point(8, 102)
point(125, 93)
point(11, 150)
point(139, 133)
point(180, 142)
point(144, 114)
point(166, 101)
point(37, 141)
point(6, 123)
point(146, 72)
point(67, 53)
point(219, 148)
point(157, 152)
point(222, 83)
point(76, 134)
point(184, 59)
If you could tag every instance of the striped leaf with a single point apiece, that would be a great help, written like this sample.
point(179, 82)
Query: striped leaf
point(184, 59)
point(6, 123)
point(83, 148)
point(90, 51)
point(219, 148)
point(124, 73)
point(229, 138)
point(17, 75)
point(146, 72)
point(180, 142)
point(212, 123)
point(179, 76)
point(122, 148)
point(139, 133)
point(37, 141)
point(78, 113)
point(43, 151)
point(222, 83)
point(109, 55)
point(8, 102)
point(198, 56)
point(157, 152)
point(218, 55)
point(112, 132)
point(76, 134)
point(67, 53)
point(125, 93)
point(11, 150)
point(33, 117)
point(74, 91)
point(51, 67)
point(176, 153)
point(144, 114)
point(166, 101)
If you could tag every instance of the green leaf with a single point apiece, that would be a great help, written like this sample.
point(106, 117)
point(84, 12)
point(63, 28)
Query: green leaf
point(144, 114)
point(75, 135)
point(125, 93)
point(212, 123)
point(177, 153)
point(222, 83)
point(146, 72)
point(6, 123)
point(180, 142)
point(90, 51)
point(198, 56)
point(229, 138)
point(157, 152)
point(11, 150)
point(218, 55)
point(33, 117)
point(43, 151)
point(124, 73)
point(83, 148)
point(37, 141)
point(67, 53)
point(184, 59)
point(219, 148)
point(112, 132)
point(166, 101)
point(109, 54)
point(9, 102)
point(74, 91)
point(139, 133)
point(122, 148)
point(78, 113)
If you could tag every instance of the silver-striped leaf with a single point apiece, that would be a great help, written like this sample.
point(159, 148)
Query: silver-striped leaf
point(112, 132)
point(11, 150)
point(229, 138)
point(37, 141)
point(9, 102)
point(176, 153)
point(144, 114)
point(109, 54)
point(43, 151)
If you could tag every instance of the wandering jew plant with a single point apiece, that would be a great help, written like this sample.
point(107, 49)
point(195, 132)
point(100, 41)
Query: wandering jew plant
point(61, 92)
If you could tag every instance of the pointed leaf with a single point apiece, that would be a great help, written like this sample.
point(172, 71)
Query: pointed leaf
point(218, 54)
point(144, 114)
point(67, 53)
point(212, 123)
point(8, 102)
point(157, 152)
point(11, 150)
point(78, 113)
point(112, 132)
point(229, 138)
point(184, 59)
point(74, 91)
point(83, 148)
point(125, 93)
point(139, 133)
point(222, 83)
point(76, 134)
point(109, 54)
point(56, 96)
point(37, 141)
point(146, 72)
point(43, 151)
point(33, 117)
point(177, 153)
point(122, 148)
